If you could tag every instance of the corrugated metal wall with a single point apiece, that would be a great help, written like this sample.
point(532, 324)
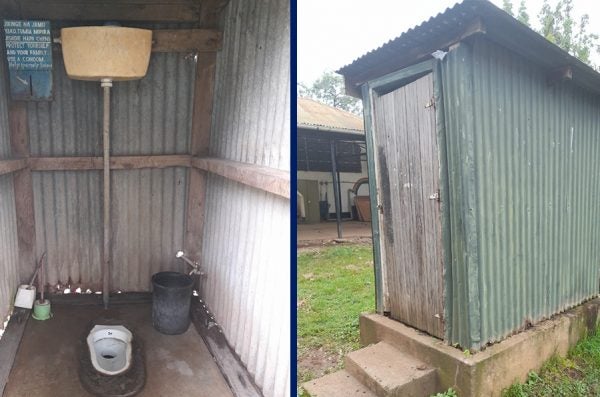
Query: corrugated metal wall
point(246, 241)
point(252, 92)
point(149, 116)
point(9, 250)
point(524, 180)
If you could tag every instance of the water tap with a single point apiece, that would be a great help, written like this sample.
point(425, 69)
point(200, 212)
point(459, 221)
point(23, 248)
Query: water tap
point(195, 265)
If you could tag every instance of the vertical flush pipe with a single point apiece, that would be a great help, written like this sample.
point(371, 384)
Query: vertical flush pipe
point(106, 84)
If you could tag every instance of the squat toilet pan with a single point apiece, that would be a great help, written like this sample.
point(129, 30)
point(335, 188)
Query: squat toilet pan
point(110, 348)
point(111, 360)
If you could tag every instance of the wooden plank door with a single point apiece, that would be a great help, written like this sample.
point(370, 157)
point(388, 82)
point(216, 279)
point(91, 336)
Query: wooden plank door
point(408, 182)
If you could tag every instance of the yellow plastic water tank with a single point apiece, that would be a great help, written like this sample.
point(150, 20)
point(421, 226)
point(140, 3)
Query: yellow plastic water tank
point(106, 52)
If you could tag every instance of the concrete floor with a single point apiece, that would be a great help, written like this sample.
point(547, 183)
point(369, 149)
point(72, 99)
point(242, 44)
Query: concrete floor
point(46, 364)
point(324, 232)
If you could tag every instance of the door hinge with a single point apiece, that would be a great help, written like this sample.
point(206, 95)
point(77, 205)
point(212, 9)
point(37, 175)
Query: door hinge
point(380, 208)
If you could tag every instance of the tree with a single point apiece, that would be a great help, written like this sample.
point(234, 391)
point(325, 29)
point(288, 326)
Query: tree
point(522, 15)
point(507, 6)
point(559, 27)
point(329, 89)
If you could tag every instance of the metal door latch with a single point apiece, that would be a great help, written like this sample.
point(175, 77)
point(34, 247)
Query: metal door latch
point(431, 103)
point(435, 196)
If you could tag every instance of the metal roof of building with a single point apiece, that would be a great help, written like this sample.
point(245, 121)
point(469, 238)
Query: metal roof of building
point(316, 115)
point(455, 24)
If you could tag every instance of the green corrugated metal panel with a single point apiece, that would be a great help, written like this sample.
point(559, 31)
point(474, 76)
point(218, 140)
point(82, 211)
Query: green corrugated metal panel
point(524, 182)
point(368, 120)
point(444, 195)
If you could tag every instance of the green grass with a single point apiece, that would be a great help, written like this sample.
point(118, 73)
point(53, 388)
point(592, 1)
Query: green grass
point(335, 285)
point(448, 393)
point(576, 375)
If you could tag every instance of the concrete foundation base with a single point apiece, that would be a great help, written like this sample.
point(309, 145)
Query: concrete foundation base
point(488, 372)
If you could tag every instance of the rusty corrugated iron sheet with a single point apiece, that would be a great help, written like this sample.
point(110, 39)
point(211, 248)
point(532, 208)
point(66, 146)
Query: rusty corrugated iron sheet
point(246, 239)
point(313, 114)
point(149, 116)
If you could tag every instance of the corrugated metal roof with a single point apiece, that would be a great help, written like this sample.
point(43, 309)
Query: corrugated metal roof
point(452, 26)
point(316, 114)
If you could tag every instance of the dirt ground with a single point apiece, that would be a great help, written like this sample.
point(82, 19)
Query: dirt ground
point(315, 363)
point(325, 233)
point(47, 360)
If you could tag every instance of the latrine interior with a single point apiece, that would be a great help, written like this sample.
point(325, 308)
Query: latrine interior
point(199, 162)
point(149, 117)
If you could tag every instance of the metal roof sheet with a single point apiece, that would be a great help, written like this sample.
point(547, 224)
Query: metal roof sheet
point(455, 24)
point(313, 114)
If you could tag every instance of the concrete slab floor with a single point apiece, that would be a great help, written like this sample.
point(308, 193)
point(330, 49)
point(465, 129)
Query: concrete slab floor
point(47, 365)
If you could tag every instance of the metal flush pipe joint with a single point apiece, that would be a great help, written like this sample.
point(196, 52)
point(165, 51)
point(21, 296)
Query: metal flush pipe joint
point(195, 266)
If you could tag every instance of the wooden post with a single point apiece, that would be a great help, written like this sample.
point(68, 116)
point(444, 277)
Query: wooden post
point(201, 124)
point(23, 186)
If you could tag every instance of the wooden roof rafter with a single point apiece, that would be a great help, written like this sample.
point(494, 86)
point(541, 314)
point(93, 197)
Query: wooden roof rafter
point(205, 12)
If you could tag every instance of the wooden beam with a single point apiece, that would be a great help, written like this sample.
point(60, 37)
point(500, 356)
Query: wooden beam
point(201, 124)
point(203, 98)
point(23, 187)
point(264, 178)
point(65, 163)
point(559, 75)
point(211, 11)
point(103, 10)
point(186, 40)
point(176, 40)
point(10, 166)
point(116, 162)
point(136, 162)
point(233, 370)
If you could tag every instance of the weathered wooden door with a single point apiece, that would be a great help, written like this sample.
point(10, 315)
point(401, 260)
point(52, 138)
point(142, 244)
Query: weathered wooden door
point(408, 183)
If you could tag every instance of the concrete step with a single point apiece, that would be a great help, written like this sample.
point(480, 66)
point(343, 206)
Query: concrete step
point(389, 372)
point(337, 384)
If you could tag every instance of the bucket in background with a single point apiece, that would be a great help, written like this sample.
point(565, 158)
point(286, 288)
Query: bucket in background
point(171, 298)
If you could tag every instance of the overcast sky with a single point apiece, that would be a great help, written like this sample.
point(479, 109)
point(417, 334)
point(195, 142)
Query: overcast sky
point(332, 33)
